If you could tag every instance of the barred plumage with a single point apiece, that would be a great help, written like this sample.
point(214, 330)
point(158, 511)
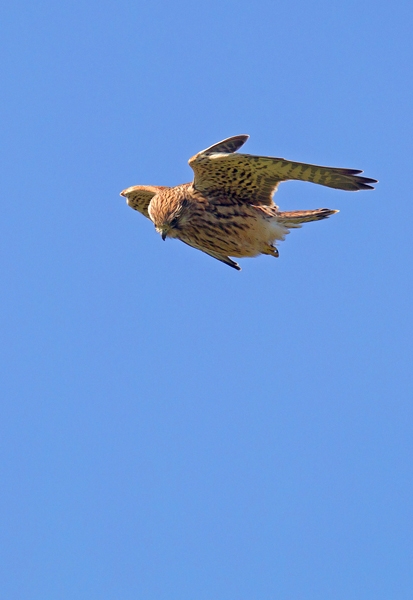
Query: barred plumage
point(228, 210)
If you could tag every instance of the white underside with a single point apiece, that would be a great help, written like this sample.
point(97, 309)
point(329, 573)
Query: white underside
point(276, 230)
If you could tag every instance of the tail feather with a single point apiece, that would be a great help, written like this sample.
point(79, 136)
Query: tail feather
point(296, 218)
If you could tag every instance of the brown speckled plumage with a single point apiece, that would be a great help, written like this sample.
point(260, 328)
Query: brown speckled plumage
point(228, 209)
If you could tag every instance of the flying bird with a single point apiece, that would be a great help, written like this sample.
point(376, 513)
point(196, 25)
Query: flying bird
point(228, 209)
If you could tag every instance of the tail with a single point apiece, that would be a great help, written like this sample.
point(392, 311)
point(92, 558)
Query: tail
point(296, 218)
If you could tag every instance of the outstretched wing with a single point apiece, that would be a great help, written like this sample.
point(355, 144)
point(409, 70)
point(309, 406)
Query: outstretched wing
point(254, 179)
point(138, 197)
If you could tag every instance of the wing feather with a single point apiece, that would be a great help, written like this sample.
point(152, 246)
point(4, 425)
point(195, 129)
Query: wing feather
point(229, 145)
point(254, 179)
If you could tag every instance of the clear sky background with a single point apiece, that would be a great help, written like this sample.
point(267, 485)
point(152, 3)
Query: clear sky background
point(172, 429)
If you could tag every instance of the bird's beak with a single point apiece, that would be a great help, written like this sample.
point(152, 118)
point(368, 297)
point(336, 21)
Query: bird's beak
point(164, 234)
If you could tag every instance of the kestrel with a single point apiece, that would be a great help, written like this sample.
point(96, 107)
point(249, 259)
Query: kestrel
point(228, 209)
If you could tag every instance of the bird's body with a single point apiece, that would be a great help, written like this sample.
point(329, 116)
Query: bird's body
point(219, 227)
point(228, 209)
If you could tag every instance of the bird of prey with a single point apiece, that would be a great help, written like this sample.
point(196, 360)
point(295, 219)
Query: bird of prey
point(228, 209)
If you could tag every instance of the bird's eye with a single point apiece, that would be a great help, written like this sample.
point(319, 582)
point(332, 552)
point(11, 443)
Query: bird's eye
point(174, 222)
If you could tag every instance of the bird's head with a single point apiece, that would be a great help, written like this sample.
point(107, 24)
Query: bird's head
point(170, 211)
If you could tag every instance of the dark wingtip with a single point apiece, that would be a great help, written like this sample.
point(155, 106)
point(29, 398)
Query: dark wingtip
point(364, 186)
point(363, 183)
point(233, 264)
point(367, 180)
point(356, 181)
point(351, 171)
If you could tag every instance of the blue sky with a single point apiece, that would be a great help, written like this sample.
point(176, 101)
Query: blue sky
point(172, 428)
